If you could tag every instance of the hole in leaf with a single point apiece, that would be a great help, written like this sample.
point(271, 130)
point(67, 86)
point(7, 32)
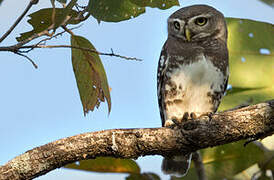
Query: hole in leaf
point(163, 5)
point(264, 51)
point(251, 35)
point(242, 59)
point(229, 87)
point(77, 163)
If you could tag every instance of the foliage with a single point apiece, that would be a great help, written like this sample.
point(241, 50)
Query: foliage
point(251, 70)
point(107, 164)
point(250, 67)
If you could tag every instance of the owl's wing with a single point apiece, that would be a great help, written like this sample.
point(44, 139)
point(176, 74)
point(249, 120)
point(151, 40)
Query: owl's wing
point(162, 65)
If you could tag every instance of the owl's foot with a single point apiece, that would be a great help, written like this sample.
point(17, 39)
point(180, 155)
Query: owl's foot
point(178, 123)
point(173, 123)
point(189, 116)
point(196, 115)
point(207, 114)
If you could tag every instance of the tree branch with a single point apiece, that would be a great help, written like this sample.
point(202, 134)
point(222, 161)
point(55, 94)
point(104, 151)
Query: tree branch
point(249, 122)
point(31, 3)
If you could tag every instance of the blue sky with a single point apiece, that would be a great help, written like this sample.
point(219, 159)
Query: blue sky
point(40, 105)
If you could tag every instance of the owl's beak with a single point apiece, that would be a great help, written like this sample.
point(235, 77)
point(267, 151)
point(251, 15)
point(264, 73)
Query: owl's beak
point(187, 34)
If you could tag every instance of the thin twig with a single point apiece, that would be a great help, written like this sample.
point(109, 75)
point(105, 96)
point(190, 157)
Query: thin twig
point(53, 13)
point(32, 62)
point(32, 2)
point(82, 48)
point(67, 30)
point(49, 38)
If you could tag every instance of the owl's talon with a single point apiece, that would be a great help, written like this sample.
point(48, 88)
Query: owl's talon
point(208, 114)
point(185, 117)
point(177, 123)
point(169, 124)
point(193, 116)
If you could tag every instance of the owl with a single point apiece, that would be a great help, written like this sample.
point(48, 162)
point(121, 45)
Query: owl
point(192, 71)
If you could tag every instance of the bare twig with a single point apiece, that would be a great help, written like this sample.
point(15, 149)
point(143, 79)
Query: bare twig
point(30, 60)
point(31, 3)
point(43, 41)
point(53, 13)
point(82, 48)
point(67, 30)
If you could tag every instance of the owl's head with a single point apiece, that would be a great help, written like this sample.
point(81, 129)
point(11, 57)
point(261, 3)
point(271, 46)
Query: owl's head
point(197, 23)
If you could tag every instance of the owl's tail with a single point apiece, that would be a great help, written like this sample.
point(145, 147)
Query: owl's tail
point(177, 165)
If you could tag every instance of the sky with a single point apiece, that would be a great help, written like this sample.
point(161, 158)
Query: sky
point(41, 105)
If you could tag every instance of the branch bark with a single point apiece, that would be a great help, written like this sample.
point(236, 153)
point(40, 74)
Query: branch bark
point(254, 121)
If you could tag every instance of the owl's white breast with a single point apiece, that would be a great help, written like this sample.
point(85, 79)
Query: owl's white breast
point(194, 82)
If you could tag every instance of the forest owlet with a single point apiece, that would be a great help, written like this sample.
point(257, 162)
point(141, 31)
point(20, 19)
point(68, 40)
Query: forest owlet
point(192, 71)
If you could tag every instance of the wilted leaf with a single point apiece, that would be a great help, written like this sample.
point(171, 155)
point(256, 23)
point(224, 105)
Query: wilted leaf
point(106, 164)
point(42, 19)
point(162, 4)
point(114, 10)
point(251, 54)
point(223, 162)
point(144, 176)
point(90, 75)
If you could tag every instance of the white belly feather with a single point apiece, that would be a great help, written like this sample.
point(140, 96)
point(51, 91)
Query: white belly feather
point(194, 82)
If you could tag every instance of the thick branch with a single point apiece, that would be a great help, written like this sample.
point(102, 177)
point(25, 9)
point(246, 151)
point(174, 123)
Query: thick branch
point(249, 122)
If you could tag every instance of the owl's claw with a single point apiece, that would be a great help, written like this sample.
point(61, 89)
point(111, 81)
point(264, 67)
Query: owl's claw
point(187, 116)
point(208, 114)
point(173, 124)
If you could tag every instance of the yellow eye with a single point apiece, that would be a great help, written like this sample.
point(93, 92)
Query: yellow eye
point(176, 25)
point(201, 21)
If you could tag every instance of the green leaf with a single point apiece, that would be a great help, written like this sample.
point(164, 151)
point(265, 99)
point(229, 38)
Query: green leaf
point(59, 19)
point(106, 164)
point(161, 4)
point(251, 72)
point(223, 162)
point(144, 176)
point(90, 75)
point(114, 10)
point(268, 2)
point(62, 1)
point(42, 19)
point(241, 89)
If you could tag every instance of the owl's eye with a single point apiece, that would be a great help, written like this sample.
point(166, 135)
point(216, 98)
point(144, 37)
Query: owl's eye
point(201, 21)
point(176, 25)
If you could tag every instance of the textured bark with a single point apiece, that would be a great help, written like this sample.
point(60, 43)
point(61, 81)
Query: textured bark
point(254, 121)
